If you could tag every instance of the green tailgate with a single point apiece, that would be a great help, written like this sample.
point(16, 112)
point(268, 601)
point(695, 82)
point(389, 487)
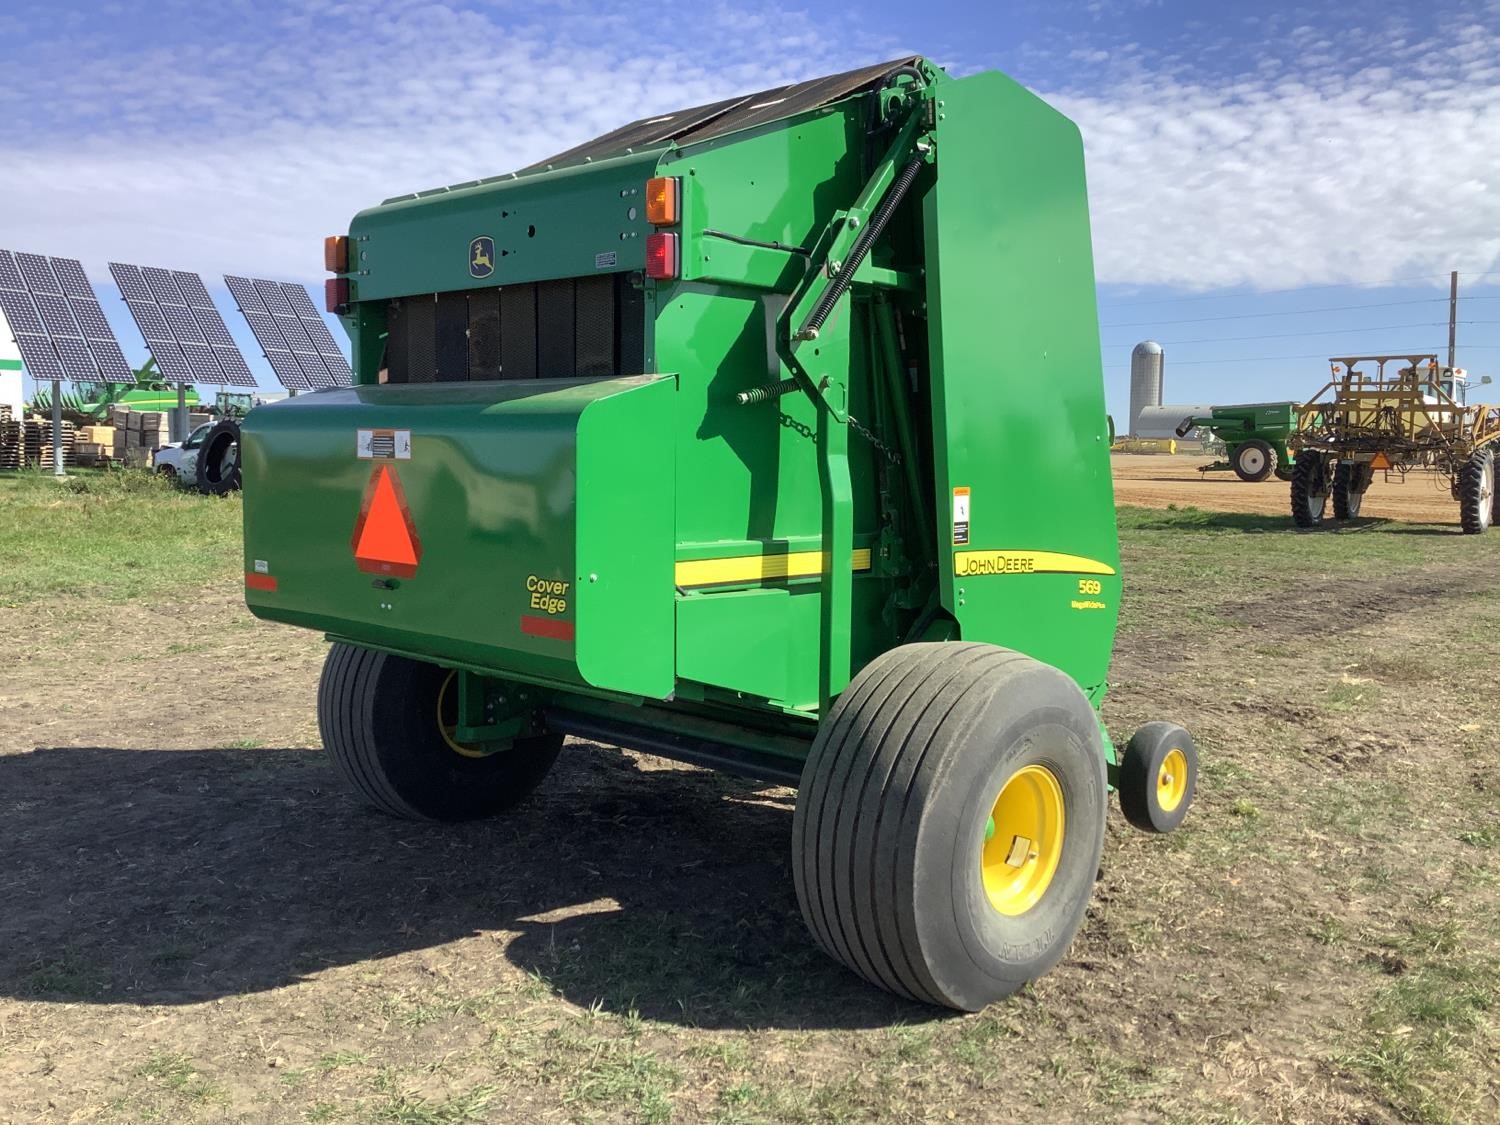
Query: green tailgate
point(541, 513)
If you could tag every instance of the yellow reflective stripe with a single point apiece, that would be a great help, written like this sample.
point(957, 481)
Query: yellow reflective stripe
point(759, 568)
point(969, 564)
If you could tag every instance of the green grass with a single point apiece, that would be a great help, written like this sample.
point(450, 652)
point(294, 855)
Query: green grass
point(110, 536)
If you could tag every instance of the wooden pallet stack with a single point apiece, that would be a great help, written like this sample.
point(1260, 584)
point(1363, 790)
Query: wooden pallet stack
point(38, 442)
point(12, 441)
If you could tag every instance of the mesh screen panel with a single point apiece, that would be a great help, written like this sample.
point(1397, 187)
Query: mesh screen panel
point(588, 327)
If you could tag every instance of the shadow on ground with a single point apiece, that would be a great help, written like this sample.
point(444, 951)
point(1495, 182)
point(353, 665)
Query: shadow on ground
point(178, 876)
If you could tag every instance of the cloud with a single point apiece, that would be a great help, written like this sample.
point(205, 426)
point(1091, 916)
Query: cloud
point(238, 144)
point(1363, 162)
point(231, 137)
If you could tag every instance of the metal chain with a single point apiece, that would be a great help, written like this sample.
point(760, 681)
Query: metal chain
point(890, 454)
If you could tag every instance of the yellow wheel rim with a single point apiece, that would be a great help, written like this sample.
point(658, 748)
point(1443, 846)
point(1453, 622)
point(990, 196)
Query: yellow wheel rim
point(447, 719)
point(1023, 840)
point(1171, 780)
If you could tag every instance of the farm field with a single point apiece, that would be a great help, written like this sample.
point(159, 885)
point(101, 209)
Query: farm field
point(1160, 480)
point(197, 922)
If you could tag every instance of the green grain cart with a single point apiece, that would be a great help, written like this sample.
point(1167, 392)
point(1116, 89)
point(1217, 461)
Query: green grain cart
point(768, 435)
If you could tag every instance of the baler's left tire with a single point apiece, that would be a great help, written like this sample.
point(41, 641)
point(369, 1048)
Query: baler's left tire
point(950, 821)
point(381, 718)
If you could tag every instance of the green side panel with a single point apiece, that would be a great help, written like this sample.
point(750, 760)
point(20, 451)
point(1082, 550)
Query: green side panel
point(776, 184)
point(491, 486)
point(626, 540)
point(753, 641)
point(570, 223)
point(1019, 415)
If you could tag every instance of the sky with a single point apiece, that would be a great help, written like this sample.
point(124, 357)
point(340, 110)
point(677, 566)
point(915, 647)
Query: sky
point(1270, 183)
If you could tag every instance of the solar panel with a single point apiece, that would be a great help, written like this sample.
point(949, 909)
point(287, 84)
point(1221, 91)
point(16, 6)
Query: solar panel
point(288, 373)
point(20, 313)
point(275, 300)
point(90, 318)
point(171, 363)
point(132, 285)
point(163, 286)
point(148, 318)
point(55, 314)
point(10, 276)
point(234, 366)
point(193, 289)
point(292, 333)
point(38, 273)
point(38, 356)
point(111, 360)
point(77, 360)
point(70, 275)
point(50, 303)
point(244, 294)
point(183, 329)
point(184, 324)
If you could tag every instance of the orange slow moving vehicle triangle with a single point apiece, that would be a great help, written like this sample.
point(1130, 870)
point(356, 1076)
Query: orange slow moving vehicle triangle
point(385, 539)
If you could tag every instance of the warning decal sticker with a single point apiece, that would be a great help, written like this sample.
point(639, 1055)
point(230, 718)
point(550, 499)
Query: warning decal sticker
point(960, 516)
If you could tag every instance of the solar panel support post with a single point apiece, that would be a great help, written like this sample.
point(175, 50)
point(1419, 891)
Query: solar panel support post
point(57, 449)
point(179, 428)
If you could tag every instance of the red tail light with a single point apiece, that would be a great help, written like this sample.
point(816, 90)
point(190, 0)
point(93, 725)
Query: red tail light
point(336, 295)
point(662, 256)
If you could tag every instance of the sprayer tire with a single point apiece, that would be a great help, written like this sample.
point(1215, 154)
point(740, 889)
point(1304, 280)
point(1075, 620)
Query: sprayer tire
point(379, 718)
point(218, 468)
point(1254, 461)
point(1476, 491)
point(1350, 483)
point(1309, 486)
point(895, 818)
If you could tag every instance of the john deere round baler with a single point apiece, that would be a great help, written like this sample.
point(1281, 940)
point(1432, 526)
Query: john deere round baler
point(767, 435)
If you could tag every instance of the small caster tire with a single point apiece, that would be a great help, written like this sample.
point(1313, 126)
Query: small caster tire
point(1158, 777)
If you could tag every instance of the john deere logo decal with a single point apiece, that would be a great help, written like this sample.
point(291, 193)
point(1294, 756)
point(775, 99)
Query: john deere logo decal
point(482, 256)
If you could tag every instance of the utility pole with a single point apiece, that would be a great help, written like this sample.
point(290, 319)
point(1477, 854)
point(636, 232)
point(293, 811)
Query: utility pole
point(1452, 315)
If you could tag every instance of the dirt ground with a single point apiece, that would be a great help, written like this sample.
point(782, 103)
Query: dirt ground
point(1157, 480)
point(197, 923)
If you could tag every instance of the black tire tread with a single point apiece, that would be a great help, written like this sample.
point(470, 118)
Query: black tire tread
point(344, 695)
point(1306, 474)
point(844, 882)
point(1271, 461)
point(1470, 487)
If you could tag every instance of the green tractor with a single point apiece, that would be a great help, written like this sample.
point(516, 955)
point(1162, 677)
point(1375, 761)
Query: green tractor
point(767, 435)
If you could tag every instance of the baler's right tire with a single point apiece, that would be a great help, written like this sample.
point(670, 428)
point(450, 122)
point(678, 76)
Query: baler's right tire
point(381, 721)
point(1309, 490)
point(950, 821)
point(1254, 461)
point(1476, 491)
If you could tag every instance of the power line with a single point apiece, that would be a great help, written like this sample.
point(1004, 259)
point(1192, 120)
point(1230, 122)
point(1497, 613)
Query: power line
point(1295, 335)
point(1286, 312)
point(1265, 359)
point(1365, 284)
